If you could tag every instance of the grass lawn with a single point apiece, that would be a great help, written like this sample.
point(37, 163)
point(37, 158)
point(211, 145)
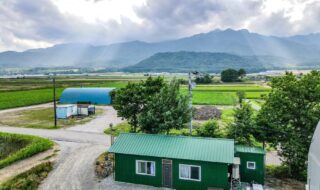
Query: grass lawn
point(41, 118)
point(30, 179)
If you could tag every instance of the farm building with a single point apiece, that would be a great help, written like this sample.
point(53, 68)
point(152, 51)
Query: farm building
point(174, 161)
point(66, 111)
point(86, 96)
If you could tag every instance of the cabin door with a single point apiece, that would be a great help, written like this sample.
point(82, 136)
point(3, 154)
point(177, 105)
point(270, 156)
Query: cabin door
point(167, 173)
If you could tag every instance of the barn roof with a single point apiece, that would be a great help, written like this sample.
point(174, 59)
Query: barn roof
point(86, 95)
point(249, 149)
point(175, 147)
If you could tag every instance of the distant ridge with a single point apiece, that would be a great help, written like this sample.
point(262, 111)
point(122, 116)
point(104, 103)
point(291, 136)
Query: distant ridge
point(205, 62)
point(300, 49)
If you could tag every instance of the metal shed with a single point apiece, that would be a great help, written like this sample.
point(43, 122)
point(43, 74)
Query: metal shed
point(176, 162)
point(66, 111)
point(252, 163)
point(86, 95)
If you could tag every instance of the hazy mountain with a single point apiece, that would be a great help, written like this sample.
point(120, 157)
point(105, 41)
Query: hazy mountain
point(206, 62)
point(242, 42)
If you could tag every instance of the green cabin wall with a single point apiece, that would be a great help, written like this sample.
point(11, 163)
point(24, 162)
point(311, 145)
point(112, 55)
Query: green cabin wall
point(248, 175)
point(212, 174)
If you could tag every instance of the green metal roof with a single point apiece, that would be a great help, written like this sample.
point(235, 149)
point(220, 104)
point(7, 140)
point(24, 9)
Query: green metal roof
point(249, 149)
point(175, 147)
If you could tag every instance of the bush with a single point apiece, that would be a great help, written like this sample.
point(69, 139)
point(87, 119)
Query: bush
point(208, 129)
point(30, 179)
point(116, 130)
point(33, 146)
point(282, 172)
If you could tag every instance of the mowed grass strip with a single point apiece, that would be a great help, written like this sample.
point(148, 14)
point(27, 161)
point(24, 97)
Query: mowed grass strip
point(26, 97)
point(16, 147)
point(42, 118)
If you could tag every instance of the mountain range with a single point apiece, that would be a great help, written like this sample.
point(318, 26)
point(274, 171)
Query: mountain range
point(216, 49)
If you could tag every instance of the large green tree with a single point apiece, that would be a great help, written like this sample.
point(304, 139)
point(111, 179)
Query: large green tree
point(205, 79)
point(289, 117)
point(243, 127)
point(229, 75)
point(131, 100)
point(166, 110)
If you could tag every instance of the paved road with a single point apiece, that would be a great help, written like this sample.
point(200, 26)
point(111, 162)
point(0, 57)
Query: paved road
point(80, 146)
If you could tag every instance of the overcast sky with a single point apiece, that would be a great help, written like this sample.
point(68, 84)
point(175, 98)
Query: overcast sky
point(26, 24)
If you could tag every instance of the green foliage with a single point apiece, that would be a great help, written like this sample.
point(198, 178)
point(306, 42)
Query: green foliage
point(232, 75)
point(289, 117)
point(206, 79)
point(243, 127)
point(241, 95)
point(116, 130)
point(131, 100)
point(229, 75)
point(242, 73)
point(29, 180)
point(279, 172)
point(32, 146)
point(166, 110)
point(209, 129)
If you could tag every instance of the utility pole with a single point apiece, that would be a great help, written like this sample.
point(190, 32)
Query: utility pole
point(190, 102)
point(54, 101)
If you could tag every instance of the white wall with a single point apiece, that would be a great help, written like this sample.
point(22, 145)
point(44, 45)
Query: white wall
point(314, 161)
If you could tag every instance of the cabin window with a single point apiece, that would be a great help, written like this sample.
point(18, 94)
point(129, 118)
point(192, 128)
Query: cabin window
point(189, 172)
point(145, 167)
point(251, 165)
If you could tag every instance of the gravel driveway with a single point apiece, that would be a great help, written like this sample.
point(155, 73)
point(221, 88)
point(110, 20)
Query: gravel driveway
point(80, 146)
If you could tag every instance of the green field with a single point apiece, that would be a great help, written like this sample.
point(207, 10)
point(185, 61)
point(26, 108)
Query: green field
point(18, 94)
point(223, 94)
point(32, 91)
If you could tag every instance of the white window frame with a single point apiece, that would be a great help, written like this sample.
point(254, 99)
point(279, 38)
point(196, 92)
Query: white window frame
point(190, 172)
point(146, 161)
point(251, 168)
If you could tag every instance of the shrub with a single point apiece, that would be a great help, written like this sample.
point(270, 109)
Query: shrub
point(208, 129)
point(33, 146)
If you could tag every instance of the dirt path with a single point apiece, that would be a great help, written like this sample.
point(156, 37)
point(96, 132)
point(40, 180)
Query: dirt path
point(99, 124)
point(26, 164)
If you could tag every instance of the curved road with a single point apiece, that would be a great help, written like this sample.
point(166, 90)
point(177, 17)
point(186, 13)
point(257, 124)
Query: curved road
point(79, 147)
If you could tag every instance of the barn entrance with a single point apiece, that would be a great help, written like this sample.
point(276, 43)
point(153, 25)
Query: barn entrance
point(167, 173)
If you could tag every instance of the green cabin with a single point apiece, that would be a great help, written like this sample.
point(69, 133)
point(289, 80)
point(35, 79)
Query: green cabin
point(252, 163)
point(176, 162)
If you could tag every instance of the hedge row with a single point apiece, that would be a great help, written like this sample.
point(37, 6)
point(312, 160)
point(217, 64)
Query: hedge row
point(34, 146)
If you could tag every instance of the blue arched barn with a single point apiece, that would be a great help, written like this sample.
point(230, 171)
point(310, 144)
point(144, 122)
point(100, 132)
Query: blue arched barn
point(86, 95)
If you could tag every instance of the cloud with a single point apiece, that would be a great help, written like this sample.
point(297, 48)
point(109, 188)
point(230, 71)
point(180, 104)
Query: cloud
point(31, 24)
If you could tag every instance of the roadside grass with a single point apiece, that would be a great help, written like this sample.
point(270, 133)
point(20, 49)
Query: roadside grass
point(117, 129)
point(42, 118)
point(17, 147)
point(29, 180)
